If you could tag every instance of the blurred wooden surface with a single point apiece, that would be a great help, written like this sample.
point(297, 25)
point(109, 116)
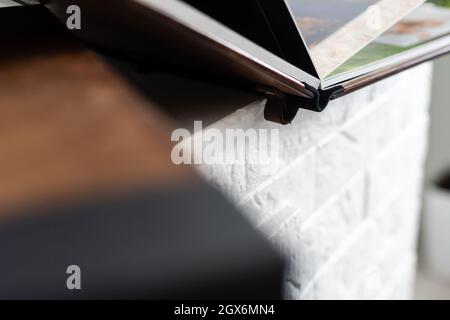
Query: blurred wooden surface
point(69, 126)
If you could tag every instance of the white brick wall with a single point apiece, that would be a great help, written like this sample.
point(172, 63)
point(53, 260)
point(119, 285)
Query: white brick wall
point(343, 203)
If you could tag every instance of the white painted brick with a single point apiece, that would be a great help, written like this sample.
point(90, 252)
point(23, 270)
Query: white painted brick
point(363, 271)
point(402, 283)
point(400, 166)
point(287, 191)
point(236, 180)
point(312, 242)
point(337, 161)
point(387, 238)
point(342, 203)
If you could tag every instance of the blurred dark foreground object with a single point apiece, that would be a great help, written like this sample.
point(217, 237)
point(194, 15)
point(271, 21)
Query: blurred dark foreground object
point(180, 243)
point(86, 180)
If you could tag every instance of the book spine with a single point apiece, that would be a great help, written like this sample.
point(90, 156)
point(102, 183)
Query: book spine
point(282, 108)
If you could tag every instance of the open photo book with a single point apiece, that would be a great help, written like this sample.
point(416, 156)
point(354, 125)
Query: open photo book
point(310, 51)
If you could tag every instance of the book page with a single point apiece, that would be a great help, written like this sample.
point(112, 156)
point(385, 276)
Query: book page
point(335, 30)
point(426, 23)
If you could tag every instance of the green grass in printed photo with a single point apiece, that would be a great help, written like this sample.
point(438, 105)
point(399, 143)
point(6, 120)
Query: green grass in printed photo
point(443, 3)
point(377, 51)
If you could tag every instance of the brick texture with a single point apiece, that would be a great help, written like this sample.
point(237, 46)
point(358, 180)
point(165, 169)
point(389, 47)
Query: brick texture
point(342, 204)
